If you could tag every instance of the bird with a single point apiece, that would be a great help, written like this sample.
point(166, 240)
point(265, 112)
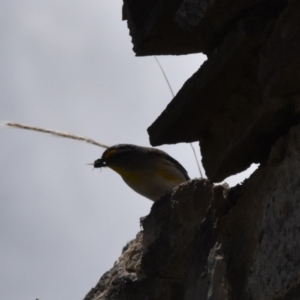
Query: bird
point(148, 171)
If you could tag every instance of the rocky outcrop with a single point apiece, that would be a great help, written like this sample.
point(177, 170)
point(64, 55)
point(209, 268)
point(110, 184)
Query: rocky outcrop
point(205, 241)
point(212, 242)
point(156, 264)
point(243, 97)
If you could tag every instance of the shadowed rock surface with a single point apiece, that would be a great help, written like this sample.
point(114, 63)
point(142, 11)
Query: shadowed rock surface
point(243, 97)
point(211, 242)
point(205, 242)
point(184, 26)
point(156, 265)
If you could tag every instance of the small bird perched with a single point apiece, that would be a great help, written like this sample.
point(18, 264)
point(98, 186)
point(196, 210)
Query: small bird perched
point(148, 171)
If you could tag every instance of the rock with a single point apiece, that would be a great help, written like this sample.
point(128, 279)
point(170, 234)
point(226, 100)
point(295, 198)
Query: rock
point(164, 27)
point(243, 98)
point(205, 242)
point(160, 262)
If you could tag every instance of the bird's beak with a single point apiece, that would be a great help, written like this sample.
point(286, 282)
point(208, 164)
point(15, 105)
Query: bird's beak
point(99, 163)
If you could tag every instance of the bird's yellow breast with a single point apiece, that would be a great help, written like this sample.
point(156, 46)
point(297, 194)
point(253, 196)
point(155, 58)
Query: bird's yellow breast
point(170, 175)
point(151, 181)
point(165, 173)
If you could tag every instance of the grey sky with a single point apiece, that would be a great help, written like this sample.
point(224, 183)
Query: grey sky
point(69, 66)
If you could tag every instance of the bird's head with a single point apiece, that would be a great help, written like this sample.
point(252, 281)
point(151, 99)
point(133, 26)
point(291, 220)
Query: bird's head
point(118, 157)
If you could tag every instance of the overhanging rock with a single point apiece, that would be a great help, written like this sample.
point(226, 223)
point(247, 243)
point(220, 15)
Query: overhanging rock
point(243, 97)
point(210, 242)
point(182, 26)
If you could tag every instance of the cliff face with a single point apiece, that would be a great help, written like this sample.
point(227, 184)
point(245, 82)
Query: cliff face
point(244, 96)
point(212, 242)
point(205, 241)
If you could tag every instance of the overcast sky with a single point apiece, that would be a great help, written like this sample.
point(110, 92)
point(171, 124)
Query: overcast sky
point(68, 65)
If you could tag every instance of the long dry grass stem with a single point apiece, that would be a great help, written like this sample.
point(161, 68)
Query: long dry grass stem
point(57, 133)
point(172, 92)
